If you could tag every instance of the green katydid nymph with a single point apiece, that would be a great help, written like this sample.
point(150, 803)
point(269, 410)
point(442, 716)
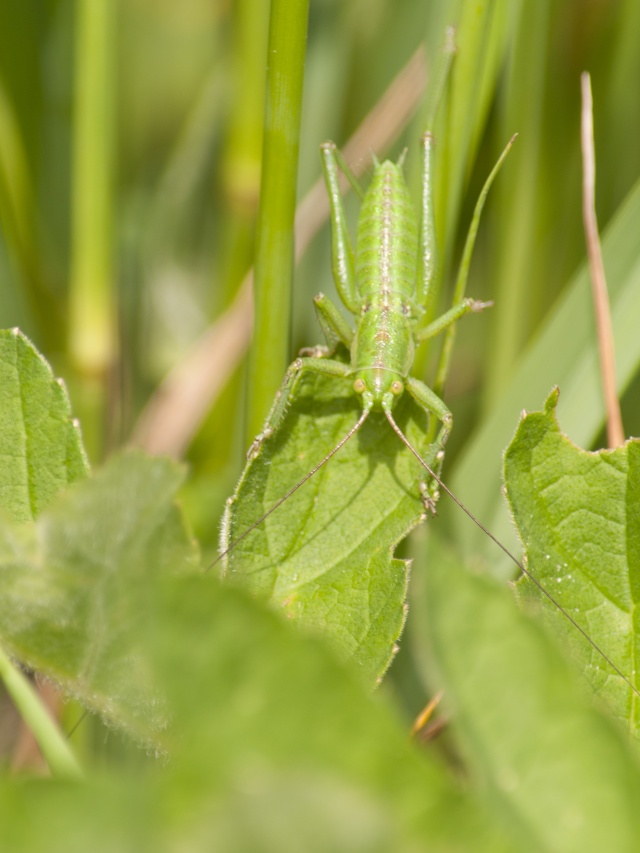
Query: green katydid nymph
point(363, 375)
point(387, 284)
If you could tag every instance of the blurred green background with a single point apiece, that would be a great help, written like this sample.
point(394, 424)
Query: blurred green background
point(130, 143)
point(130, 148)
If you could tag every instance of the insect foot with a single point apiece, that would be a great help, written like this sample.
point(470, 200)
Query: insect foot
point(429, 500)
point(477, 306)
point(318, 351)
point(256, 444)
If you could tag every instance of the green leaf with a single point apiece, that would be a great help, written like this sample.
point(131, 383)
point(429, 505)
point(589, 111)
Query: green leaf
point(551, 767)
point(276, 708)
point(74, 585)
point(273, 746)
point(577, 514)
point(325, 556)
point(40, 445)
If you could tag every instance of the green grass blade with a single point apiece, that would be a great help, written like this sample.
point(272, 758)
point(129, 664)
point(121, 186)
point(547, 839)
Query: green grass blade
point(92, 336)
point(563, 354)
point(463, 272)
point(273, 277)
point(519, 197)
point(481, 36)
point(53, 743)
point(19, 230)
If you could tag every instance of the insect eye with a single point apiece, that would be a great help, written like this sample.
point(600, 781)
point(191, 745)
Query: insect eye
point(397, 387)
point(359, 386)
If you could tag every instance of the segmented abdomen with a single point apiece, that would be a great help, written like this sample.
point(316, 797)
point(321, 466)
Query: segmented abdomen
point(387, 242)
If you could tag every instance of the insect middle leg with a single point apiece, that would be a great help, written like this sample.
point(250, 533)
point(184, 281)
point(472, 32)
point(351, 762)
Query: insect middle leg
point(334, 327)
point(449, 317)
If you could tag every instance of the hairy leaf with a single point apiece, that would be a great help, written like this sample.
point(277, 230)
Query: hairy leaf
point(74, 585)
point(40, 445)
point(325, 556)
point(578, 515)
point(553, 768)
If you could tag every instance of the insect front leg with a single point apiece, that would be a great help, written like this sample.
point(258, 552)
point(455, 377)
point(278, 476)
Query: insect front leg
point(433, 405)
point(334, 328)
point(323, 366)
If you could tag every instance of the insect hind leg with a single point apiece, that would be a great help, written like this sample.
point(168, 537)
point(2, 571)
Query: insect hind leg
point(342, 256)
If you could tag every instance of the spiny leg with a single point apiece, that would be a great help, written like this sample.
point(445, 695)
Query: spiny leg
point(449, 317)
point(428, 273)
point(342, 261)
point(321, 366)
point(334, 328)
point(432, 404)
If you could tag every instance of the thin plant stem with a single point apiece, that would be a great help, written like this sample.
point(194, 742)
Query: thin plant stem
point(52, 742)
point(92, 339)
point(606, 347)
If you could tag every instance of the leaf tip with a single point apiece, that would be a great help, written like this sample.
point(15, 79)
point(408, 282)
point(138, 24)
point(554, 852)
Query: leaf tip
point(551, 402)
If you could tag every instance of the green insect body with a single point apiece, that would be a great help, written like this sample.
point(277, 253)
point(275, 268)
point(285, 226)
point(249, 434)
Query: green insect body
point(328, 559)
point(330, 565)
point(382, 351)
point(387, 287)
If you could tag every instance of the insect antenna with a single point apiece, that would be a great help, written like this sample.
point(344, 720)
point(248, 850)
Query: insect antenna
point(518, 563)
point(354, 429)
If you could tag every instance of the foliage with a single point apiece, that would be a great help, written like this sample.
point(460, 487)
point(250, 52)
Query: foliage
point(215, 721)
point(326, 558)
point(577, 512)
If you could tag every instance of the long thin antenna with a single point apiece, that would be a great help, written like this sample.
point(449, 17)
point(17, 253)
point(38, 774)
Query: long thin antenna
point(354, 429)
point(525, 571)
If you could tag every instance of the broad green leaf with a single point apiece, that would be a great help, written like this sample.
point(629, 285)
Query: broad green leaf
point(40, 445)
point(273, 746)
point(74, 584)
point(325, 556)
point(275, 707)
point(578, 516)
point(554, 769)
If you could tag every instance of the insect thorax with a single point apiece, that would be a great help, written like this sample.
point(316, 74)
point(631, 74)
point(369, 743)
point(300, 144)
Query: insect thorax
point(383, 349)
